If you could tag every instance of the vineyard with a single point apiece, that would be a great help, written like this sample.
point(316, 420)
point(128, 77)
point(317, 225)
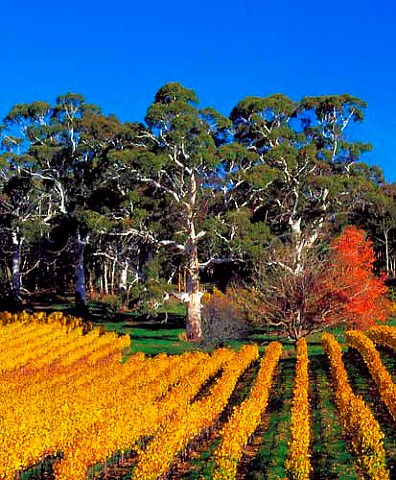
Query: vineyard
point(76, 405)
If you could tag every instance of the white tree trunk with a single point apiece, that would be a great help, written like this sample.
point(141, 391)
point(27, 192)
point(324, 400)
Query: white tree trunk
point(80, 287)
point(123, 284)
point(194, 319)
point(105, 278)
point(16, 266)
point(112, 276)
point(386, 236)
point(392, 265)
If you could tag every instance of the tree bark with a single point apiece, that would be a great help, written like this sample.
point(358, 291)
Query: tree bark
point(105, 278)
point(194, 319)
point(80, 287)
point(123, 283)
point(112, 275)
point(16, 267)
point(386, 236)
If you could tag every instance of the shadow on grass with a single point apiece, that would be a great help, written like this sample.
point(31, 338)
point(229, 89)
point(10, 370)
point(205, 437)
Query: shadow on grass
point(158, 323)
point(153, 337)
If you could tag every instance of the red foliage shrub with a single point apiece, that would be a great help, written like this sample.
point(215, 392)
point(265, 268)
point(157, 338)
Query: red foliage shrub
point(362, 293)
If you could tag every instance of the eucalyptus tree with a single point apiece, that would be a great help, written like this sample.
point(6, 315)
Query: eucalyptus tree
point(386, 225)
point(299, 174)
point(22, 221)
point(299, 167)
point(63, 147)
point(178, 160)
point(25, 207)
point(123, 242)
point(378, 216)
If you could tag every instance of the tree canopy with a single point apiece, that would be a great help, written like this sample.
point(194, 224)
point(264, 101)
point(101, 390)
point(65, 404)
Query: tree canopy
point(144, 210)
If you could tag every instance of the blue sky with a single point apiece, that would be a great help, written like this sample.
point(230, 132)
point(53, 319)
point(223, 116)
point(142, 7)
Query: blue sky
point(119, 53)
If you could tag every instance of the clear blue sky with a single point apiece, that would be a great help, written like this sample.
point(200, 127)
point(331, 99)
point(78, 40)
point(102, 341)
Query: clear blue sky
point(118, 53)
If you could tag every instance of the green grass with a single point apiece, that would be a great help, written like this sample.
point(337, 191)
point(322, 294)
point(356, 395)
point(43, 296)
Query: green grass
point(203, 466)
point(388, 358)
point(153, 337)
point(330, 456)
point(152, 342)
point(270, 459)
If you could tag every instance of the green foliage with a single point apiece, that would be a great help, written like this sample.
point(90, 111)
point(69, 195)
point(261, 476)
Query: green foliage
point(106, 308)
point(329, 106)
point(252, 236)
point(173, 92)
point(68, 168)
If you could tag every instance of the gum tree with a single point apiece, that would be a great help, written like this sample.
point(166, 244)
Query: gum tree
point(62, 147)
point(299, 174)
point(25, 206)
point(177, 156)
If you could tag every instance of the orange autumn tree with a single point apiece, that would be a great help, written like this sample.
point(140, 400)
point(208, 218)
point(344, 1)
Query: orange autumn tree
point(337, 287)
point(362, 294)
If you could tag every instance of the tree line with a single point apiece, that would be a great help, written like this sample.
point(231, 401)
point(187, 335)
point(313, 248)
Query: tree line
point(150, 209)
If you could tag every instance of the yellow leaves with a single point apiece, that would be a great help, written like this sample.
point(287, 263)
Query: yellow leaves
point(25, 318)
point(383, 335)
point(381, 376)
point(188, 421)
point(358, 420)
point(298, 463)
point(115, 404)
point(63, 391)
point(246, 417)
point(45, 400)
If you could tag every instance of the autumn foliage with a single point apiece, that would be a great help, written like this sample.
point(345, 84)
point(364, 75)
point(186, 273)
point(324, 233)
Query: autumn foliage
point(361, 293)
point(296, 295)
point(358, 420)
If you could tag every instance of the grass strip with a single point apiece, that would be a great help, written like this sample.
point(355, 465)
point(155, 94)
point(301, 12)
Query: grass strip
point(201, 462)
point(269, 461)
point(331, 459)
point(246, 418)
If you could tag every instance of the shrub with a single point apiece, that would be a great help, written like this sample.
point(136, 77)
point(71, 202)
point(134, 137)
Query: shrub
point(107, 307)
point(221, 319)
